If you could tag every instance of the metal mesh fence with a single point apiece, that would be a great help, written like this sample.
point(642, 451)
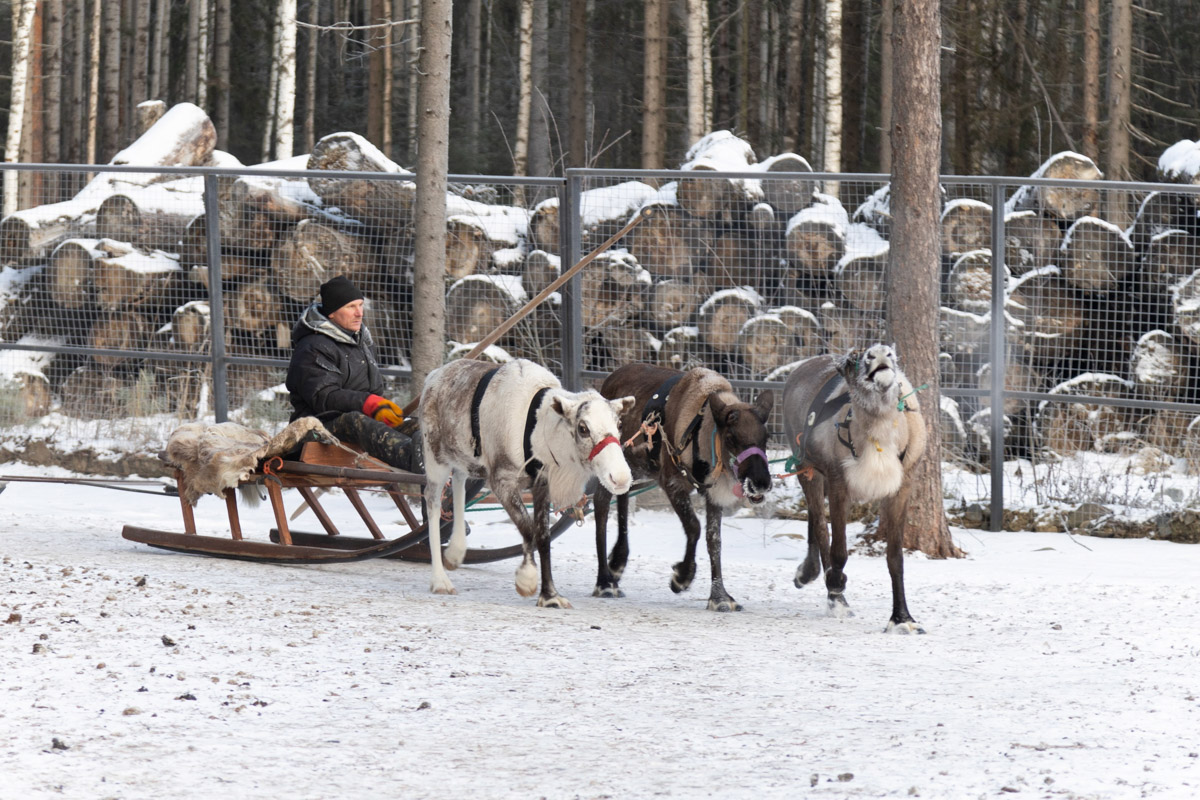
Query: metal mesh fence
point(112, 326)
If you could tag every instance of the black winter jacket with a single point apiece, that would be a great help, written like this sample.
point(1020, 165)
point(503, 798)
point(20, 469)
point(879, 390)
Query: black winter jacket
point(332, 370)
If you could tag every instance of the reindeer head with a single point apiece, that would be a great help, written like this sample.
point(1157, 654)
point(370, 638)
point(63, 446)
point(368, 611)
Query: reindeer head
point(874, 376)
point(595, 425)
point(742, 429)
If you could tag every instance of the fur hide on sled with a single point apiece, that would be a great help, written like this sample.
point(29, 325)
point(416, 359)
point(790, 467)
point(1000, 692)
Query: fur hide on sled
point(218, 456)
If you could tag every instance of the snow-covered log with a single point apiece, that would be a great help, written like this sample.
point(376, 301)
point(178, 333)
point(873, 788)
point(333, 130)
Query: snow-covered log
point(662, 242)
point(969, 284)
point(722, 316)
point(1068, 427)
point(765, 343)
point(966, 226)
point(1031, 241)
point(859, 275)
point(1095, 255)
point(124, 277)
point(313, 252)
point(715, 198)
point(681, 348)
point(672, 303)
point(384, 204)
point(477, 304)
point(787, 195)
point(152, 217)
point(120, 330)
point(816, 238)
point(1047, 316)
point(1159, 366)
point(1064, 202)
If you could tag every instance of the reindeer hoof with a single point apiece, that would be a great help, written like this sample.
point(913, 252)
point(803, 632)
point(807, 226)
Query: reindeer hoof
point(558, 601)
point(442, 587)
point(727, 604)
point(681, 577)
point(839, 608)
point(903, 628)
point(607, 591)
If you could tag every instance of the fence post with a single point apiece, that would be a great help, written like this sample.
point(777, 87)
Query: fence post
point(570, 244)
point(996, 356)
point(212, 222)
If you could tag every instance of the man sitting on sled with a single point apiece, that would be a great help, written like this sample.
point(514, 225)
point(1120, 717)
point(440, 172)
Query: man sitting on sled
point(334, 377)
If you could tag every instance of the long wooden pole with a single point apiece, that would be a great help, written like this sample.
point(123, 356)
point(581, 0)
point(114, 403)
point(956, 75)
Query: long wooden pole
point(554, 286)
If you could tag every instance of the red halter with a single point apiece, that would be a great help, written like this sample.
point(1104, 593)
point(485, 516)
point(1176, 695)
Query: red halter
point(603, 443)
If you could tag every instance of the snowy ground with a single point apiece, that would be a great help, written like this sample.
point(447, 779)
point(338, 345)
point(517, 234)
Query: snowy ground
point(1054, 666)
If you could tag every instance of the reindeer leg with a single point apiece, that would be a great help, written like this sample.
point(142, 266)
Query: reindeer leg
point(835, 575)
point(891, 517)
point(718, 598)
point(435, 482)
point(818, 531)
point(606, 581)
point(550, 598)
point(453, 555)
point(619, 557)
point(680, 495)
point(509, 494)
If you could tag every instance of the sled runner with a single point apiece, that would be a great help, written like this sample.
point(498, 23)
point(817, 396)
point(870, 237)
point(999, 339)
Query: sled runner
point(319, 466)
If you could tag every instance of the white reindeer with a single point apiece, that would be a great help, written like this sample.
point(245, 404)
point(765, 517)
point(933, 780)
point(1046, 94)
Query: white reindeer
point(516, 426)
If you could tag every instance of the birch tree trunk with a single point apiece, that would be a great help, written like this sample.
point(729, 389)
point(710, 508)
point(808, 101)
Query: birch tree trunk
point(697, 96)
point(379, 40)
point(577, 77)
point(93, 115)
point(413, 47)
point(833, 90)
point(22, 28)
point(191, 58)
point(915, 255)
point(525, 87)
point(433, 136)
point(285, 100)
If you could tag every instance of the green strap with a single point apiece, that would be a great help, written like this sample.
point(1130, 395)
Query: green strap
point(900, 405)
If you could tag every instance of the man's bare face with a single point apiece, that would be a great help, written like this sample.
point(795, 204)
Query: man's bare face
point(349, 316)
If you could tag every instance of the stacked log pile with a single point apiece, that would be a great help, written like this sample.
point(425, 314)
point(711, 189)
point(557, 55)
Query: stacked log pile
point(744, 274)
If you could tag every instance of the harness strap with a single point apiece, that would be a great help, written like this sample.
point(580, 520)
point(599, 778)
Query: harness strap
point(532, 465)
point(821, 409)
point(653, 412)
point(476, 401)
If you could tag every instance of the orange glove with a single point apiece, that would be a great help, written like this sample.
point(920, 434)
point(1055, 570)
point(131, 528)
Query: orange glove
point(383, 410)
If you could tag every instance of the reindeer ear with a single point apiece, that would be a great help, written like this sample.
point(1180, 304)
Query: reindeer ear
point(763, 405)
point(622, 405)
point(559, 408)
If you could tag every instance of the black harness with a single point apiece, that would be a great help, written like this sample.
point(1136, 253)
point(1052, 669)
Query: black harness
point(820, 410)
point(654, 413)
point(532, 465)
point(476, 400)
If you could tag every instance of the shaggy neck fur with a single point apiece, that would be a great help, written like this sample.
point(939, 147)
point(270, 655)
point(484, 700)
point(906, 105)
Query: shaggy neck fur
point(880, 434)
point(553, 443)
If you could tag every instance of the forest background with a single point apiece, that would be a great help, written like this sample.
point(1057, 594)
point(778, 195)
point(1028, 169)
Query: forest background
point(539, 85)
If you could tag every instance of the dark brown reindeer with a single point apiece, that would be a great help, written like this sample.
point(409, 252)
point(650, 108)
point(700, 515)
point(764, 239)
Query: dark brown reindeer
point(693, 434)
point(856, 431)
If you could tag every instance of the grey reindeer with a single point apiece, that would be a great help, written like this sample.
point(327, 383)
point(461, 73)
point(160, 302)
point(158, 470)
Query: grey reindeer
point(856, 432)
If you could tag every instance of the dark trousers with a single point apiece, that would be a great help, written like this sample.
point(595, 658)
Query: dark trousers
point(378, 440)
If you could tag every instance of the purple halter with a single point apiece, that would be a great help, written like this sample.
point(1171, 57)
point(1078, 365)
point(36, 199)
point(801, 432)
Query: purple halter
point(750, 451)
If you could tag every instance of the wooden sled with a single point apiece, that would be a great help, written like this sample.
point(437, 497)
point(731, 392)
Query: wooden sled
point(322, 466)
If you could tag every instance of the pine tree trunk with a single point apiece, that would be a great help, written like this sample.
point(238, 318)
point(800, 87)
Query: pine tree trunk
point(1120, 85)
point(654, 92)
point(110, 77)
point(54, 96)
point(433, 133)
point(222, 25)
point(913, 275)
point(577, 95)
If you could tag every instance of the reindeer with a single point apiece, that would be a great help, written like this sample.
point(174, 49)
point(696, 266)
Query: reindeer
point(698, 437)
point(856, 432)
point(516, 426)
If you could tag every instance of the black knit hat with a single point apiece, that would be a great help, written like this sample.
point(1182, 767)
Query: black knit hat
point(337, 292)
